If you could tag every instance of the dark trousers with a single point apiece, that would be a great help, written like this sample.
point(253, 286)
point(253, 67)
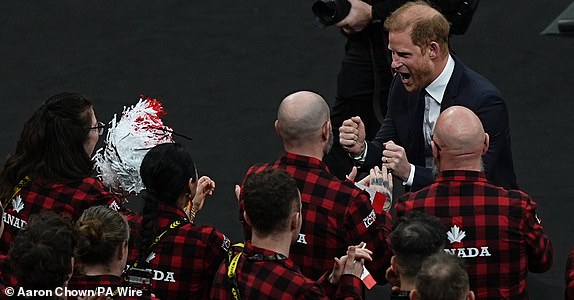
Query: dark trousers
point(362, 90)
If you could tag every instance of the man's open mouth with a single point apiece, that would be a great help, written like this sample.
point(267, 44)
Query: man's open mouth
point(404, 76)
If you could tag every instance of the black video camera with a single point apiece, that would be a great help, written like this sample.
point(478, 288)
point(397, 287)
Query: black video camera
point(329, 12)
point(138, 278)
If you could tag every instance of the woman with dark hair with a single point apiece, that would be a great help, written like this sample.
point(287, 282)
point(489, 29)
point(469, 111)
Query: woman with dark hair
point(184, 257)
point(41, 257)
point(102, 250)
point(51, 168)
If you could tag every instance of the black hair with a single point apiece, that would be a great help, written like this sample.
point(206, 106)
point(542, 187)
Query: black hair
point(51, 144)
point(415, 237)
point(270, 197)
point(165, 172)
point(41, 254)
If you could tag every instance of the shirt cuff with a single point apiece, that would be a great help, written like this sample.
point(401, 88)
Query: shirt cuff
point(361, 158)
point(409, 181)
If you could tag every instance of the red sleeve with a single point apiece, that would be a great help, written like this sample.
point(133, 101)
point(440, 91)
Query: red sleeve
point(538, 245)
point(364, 225)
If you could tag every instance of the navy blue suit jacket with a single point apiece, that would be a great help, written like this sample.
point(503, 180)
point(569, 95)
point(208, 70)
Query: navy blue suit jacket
point(403, 125)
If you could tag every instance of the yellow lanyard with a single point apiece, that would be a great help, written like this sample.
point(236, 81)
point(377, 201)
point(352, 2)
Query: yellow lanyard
point(232, 269)
point(17, 189)
point(174, 225)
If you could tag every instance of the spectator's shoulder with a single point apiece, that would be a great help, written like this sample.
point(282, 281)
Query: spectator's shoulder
point(208, 235)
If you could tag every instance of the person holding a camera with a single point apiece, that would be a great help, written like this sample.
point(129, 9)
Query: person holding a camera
point(365, 74)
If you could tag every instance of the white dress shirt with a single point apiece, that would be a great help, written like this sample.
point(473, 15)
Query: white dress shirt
point(433, 99)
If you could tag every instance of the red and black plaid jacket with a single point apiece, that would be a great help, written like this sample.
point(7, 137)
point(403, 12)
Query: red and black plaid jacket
point(186, 259)
point(111, 284)
point(278, 279)
point(88, 282)
point(70, 199)
point(336, 214)
point(570, 276)
point(495, 231)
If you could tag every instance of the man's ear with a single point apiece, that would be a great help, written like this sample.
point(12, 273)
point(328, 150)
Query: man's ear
point(434, 149)
point(486, 143)
point(326, 130)
point(414, 295)
point(247, 220)
point(395, 265)
point(433, 49)
point(277, 128)
point(470, 295)
point(295, 220)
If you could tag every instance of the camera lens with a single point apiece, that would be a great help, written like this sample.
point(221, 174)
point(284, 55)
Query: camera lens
point(329, 12)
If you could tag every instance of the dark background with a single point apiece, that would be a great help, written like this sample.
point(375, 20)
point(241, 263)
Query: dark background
point(222, 67)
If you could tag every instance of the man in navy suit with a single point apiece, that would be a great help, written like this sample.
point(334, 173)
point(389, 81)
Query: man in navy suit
point(427, 80)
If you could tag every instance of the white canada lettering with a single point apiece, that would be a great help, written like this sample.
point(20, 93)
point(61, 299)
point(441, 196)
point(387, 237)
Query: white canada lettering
point(161, 276)
point(169, 277)
point(301, 239)
point(370, 219)
point(472, 252)
point(158, 275)
point(13, 221)
point(484, 251)
point(469, 252)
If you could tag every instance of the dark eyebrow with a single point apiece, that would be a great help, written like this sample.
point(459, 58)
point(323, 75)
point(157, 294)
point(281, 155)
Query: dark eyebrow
point(403, 53)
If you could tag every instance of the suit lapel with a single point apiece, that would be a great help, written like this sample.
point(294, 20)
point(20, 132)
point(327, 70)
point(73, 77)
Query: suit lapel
point(452, 88)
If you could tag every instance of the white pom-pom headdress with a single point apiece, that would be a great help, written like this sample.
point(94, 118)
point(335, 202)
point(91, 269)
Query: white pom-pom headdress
point(139, 129)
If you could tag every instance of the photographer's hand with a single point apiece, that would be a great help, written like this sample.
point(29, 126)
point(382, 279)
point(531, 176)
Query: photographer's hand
point(358, 18)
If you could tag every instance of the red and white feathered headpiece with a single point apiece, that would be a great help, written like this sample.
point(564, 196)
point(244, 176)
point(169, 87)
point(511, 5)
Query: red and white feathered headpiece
point(139, 129)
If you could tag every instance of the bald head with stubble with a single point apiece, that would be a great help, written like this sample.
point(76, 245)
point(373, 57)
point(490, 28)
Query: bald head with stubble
point(302, 121)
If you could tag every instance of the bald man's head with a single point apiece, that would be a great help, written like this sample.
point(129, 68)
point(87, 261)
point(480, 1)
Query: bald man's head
point(459, 137)
point(301, 116)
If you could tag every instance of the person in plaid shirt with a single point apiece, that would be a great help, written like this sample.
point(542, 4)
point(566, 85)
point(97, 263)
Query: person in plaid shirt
point(51, 167)
point(335, 213)
point(102, 250)
point(570, 276)
point(495, 231)
point(263, 269)
point(41, 257)
point(186, 257)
